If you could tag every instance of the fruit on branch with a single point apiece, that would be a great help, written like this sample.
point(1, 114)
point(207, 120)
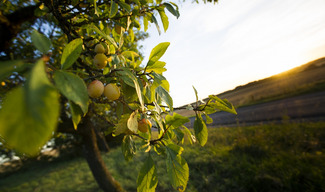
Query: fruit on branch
point(95, 89)
point(144, 125)
point(112, 91)
point(100, 60)
point(99, 48)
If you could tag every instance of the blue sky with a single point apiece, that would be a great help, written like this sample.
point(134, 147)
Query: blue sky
point(218, 47)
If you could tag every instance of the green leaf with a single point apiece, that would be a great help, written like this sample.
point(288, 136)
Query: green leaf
point(73, 88)
point(102, 34)
point(125, 6)
point(164, 19)
point(147, 178)
point(95, 7)
point(179, 135)
point(71, 53)
point(158, 79)
point(139, 93)
point(130, 54)
point(121, 41)
point(164, 95)
point(133, 122)
point(121, 126)
point(29, 114)
point(221, 104)
point(176, 120)
point(8, 67)
point(200, 130)
point(174, 150)
point(40, 41)
point(154, 20)
point(127, 76)
point(196, 95)
point(157, 52)
point(145, 23)
point(177, 168)
point(171, 9)
point(76, 113)
point(128, 147)
point(209, 120)
point(113, 9)
point(191, 137)
point(157, 67)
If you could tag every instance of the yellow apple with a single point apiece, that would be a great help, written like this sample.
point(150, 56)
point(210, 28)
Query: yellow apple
point(99, 48)
point(95, 89)
point(100, 60)
point(112, 91)
point(144, 125)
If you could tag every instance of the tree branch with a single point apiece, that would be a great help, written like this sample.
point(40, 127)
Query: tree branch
point(10, 25)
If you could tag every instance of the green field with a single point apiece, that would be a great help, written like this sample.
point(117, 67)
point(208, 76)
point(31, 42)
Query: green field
point(286, 157)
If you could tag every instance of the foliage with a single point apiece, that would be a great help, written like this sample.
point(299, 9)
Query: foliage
point(46, 87)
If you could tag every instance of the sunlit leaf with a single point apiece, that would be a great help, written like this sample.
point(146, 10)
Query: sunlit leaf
point(157, 67)
point(71, 52)
point(157, 52)
point(133, 122)
point(216, 103)
point(200, 130)
point(176, 120)
point(29, 114)
point(177, 168)
point(147, 178)
point(196, 95)
point(145, 23)
point(209, 120)
point(164, 19)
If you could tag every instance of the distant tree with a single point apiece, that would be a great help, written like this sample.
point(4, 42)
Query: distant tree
point(75, 66)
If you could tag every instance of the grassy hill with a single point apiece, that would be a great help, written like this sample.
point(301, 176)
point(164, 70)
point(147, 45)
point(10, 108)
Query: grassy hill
point(306, 78)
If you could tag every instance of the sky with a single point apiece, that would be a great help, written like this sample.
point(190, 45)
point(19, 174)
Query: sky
point(216, 47)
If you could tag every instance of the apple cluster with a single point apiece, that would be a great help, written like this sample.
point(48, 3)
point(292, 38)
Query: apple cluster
point(96, 88)
point(100, 59)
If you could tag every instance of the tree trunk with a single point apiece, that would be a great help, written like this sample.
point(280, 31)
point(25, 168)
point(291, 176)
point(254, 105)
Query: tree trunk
point(95, 162)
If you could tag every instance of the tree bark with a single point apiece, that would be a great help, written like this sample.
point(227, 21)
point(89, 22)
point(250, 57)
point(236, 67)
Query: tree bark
point(95, 162)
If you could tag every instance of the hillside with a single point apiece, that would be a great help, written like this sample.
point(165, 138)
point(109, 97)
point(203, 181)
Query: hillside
point(306, 78)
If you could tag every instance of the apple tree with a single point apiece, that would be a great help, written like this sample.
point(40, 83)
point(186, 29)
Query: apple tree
point(75, 66)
